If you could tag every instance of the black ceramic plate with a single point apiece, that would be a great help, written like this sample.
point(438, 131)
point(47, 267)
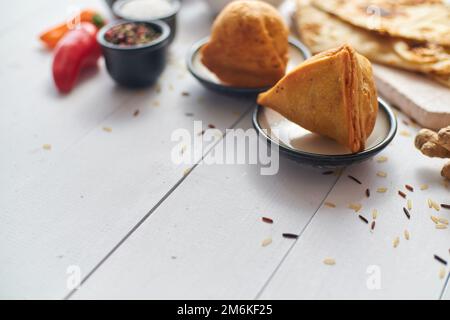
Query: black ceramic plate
point(297, 54)
point(303, 146)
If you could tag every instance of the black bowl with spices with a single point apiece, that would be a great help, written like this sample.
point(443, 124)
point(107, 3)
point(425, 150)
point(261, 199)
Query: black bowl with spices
point(149, 10)
point(135, 52)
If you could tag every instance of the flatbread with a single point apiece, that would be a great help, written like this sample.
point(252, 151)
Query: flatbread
point(321, 31)
point(332, 94)
point(419, 20)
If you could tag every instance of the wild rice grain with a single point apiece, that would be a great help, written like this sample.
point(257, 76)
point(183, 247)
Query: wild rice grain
point(407, 186)
point(445, 206)
point(406, 213)
point(354, 179)
point(363, 219)
point(290, 236)
point(327, 173)
point(372, 226)
point(402, 194)
point(368, 193)
point(267, 220)
point(440, 259)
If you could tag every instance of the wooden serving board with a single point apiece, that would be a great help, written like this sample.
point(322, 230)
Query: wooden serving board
point(424, 100)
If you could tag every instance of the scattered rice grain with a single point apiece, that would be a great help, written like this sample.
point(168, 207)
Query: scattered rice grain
point(266, 242)
point(424, 187)
point(47, 146)
point(396, 242)
point(363, 219)
point(444, 262)
point(442, 273)
point(355, 206)
point(406, 234)
point(381, 159)
point(374, 214)
point(330, 204)
point(267, 220)
point(406, 213)
point(354, 179)
point(382, 174)
point(382, 190)
point(329, 261)
point(107, 129)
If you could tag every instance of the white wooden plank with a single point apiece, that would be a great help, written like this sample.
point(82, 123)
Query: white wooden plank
point(205, 240)
point(408, 271)
point(72, 204)
point(421, 98)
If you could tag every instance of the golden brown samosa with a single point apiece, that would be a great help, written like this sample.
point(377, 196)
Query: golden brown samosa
point(332, 94)
point(248, 45)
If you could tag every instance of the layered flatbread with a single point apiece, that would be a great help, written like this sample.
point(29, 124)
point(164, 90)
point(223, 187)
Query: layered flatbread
point(419, 20)
point(320, 31)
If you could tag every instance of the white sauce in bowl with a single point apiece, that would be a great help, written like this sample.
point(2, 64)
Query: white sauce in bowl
point(146, 9)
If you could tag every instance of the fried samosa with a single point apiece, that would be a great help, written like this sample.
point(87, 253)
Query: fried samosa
point(248, 45)
point(332, 94)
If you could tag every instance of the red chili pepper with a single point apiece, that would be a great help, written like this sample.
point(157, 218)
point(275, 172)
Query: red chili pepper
point(76, 50)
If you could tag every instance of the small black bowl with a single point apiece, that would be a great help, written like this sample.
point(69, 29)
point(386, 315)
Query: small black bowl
point(298, 53)
point(286, 135)
point(139, 65)
point(170, 19)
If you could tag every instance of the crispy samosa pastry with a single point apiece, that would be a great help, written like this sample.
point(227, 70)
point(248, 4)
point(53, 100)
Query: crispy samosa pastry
point(248, 46)
point(332, 94)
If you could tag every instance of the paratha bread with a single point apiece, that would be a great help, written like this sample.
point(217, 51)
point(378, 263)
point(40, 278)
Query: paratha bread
point(248, 46)
point(420, 20)
point(320, 31)
point(332, 94)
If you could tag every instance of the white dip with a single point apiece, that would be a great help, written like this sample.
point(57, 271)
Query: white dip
point(146, 9)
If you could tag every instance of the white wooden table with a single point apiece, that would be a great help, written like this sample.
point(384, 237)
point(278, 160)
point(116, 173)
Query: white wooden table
point(113, 206)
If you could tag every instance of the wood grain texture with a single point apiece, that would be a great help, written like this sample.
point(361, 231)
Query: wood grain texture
point(72, 204)
point(417, 96)
point(205, 241)
point(408, 271)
